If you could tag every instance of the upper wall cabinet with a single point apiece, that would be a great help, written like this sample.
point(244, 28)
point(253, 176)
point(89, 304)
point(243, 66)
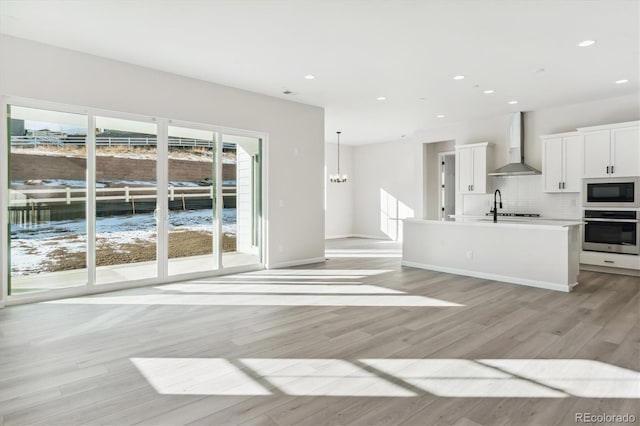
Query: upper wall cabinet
point(472, 163)
point(562, 165)
point(612, 150)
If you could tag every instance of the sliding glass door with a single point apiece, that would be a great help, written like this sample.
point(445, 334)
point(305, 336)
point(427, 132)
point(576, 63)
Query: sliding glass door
point(46, 204)
point(95, 199)
point(192, 195)
point(126, 200)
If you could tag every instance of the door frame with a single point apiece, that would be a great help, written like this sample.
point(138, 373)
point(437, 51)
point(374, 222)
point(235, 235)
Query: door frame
point(161, 202)
point(441, 156)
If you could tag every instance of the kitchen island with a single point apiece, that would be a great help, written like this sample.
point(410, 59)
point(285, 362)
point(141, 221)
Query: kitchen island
point(532, 252)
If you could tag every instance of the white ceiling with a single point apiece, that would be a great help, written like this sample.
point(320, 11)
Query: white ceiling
point(407, 51)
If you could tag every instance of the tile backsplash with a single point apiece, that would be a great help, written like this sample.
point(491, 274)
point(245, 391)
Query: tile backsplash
point(524, 194)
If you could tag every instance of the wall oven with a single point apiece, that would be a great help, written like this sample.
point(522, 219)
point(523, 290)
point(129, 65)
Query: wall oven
point(612, 231)
point(612, 192)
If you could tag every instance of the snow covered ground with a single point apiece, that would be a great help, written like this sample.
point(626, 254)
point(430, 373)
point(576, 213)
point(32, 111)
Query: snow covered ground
point(33, 245)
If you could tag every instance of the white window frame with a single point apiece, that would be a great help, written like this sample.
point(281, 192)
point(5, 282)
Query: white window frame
point(162, 182)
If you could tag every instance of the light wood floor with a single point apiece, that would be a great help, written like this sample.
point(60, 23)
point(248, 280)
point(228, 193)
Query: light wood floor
point(356, 340)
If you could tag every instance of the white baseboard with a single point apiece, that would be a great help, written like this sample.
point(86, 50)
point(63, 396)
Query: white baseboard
point(296, 262)
point(495, 277)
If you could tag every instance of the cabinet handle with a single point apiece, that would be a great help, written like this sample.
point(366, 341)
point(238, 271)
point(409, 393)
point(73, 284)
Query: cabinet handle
point(472, 187)
point(609, 261)
point(611, 169)
point(559, 185)
point(563, 185)
point(607, 169)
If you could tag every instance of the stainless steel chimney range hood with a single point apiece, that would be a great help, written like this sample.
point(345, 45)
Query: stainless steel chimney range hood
point(516, 166)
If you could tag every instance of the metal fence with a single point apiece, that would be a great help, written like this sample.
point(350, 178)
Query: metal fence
point(31, 141)
point(26, 205)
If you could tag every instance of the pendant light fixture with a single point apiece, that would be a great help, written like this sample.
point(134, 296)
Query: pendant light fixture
point(338, 178)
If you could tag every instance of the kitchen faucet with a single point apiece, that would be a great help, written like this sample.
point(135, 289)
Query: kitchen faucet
point(495, 204)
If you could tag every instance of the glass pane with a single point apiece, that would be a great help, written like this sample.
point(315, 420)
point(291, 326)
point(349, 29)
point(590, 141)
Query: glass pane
point(192, 201)
point(47, 200)
point(241, 189)
point(126, 190)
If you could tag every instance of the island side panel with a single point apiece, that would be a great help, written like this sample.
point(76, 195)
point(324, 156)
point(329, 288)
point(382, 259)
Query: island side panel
point(575, 246)
point(527, 255)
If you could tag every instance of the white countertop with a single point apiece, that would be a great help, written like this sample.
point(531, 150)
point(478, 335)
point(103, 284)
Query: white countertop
point(528, 251)
point(509, 222)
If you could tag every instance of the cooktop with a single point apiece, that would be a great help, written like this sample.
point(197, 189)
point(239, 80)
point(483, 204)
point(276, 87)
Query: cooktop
point(515, 214)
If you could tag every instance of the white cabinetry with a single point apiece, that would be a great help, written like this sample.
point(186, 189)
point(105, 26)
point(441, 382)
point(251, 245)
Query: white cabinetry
point(562, 165)
point(610, 260)
point(625, 151)
point(472, 163)
point(612, 150)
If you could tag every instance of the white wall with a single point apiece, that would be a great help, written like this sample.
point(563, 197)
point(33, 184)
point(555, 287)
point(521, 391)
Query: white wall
point(295, 157)
point(339, 197)
point(387, 177)
point(398, 168)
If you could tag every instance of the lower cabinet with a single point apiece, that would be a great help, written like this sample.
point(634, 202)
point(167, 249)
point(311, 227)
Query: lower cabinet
point(611, 260)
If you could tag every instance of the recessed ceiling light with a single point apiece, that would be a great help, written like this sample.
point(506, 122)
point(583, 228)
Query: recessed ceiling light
point(622, 81)
point(309, 76)
point(459, 77)
point(488, 92)
point(586, 43)
point(440, 116)
point(513, 102)
point(381, 98)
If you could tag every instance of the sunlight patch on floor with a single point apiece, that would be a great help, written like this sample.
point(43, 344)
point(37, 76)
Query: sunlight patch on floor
point(459, 378)
point(197, 376)
point(579, 377)
point(339, 253)
point(316, 272)
point(400, 300)
point(301, 288)
point(323, 377)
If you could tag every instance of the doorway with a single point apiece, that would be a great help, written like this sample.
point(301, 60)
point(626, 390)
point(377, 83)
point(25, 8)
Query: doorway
point(446, 184)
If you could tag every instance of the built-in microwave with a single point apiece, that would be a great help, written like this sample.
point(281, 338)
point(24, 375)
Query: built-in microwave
point(612, 192)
